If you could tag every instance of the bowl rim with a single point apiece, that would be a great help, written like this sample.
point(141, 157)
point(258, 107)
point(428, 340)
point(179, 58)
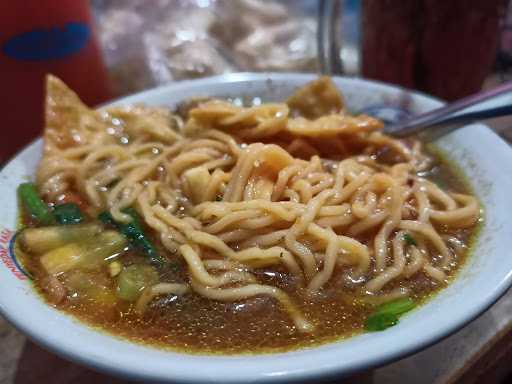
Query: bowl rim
point(293, 362)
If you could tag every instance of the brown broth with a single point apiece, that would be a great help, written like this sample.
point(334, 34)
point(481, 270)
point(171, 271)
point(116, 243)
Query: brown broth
point(194, 324)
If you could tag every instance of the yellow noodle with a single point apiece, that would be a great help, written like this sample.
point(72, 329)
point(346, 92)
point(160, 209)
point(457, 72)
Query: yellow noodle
point(382, 298)
point(157, 290)
point(198, 271)
point(431, 235)
point(395, 270)
point(250, 290)
point(458, 216)
point(391, 223)
point(416, 262)
point(298, 229)
point(312, 196)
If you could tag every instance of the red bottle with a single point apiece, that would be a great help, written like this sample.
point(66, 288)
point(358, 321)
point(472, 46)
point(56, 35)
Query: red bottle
point(39, 37)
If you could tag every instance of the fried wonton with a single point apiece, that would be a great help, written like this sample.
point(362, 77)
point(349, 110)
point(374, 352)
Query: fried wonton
point(317, 98)
point(69, 122)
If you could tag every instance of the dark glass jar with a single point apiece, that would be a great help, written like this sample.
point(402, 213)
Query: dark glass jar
point(444, 48)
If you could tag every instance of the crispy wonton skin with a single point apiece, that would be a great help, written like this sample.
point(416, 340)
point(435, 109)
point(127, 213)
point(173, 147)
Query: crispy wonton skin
point(69, 122)
point(317, 98)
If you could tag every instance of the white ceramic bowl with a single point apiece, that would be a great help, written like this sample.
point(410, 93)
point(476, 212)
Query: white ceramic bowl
point(484, 158)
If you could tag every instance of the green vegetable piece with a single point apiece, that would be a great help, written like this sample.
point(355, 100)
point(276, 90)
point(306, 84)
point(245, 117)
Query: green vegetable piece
point(133, 213)
point(134, 279)
point(409, 239)
point(68, 213)
point(380, 322)
point(135, 234)
point(387, 314)
point(37, 208)
point(397, 307)
point(106, 218)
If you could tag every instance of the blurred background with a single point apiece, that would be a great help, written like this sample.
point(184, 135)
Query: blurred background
point(109, 48)
point(106, 49)
point(446, 48)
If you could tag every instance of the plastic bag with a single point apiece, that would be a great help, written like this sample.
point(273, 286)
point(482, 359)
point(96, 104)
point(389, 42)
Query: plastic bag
point(149, 43)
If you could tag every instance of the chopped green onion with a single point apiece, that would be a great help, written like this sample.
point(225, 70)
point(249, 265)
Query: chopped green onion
point(380, 322)
point(397, 307)
point(68, 213)
point(134, 233)
point(34, 204)
point(386, 315)
point(106, 218)
point(409, 239)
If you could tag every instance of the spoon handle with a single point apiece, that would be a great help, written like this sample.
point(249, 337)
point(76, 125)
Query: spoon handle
point(431, 125)
point(327, 37)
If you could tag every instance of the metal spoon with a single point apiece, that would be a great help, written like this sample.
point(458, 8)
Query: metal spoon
point(328, 43)
point(480, 106)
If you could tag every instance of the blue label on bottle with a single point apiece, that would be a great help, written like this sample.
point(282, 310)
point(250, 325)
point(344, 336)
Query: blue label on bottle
point(47, 44)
